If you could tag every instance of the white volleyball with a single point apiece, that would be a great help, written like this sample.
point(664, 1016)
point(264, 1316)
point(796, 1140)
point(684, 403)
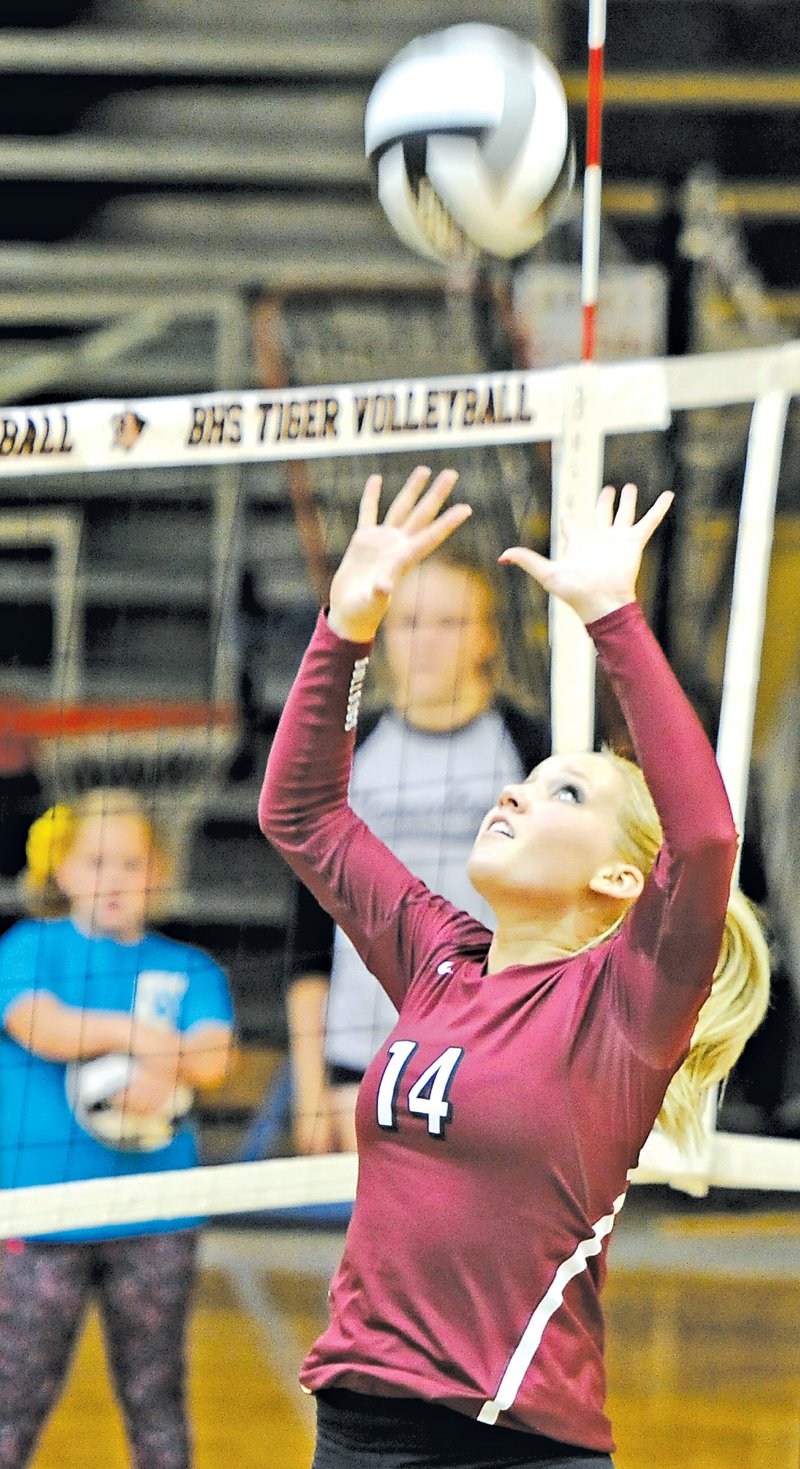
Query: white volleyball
point(91, 1087)
point(468, 133)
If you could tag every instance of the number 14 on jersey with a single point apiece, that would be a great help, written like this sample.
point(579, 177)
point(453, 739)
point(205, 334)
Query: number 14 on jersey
point(428, 1097)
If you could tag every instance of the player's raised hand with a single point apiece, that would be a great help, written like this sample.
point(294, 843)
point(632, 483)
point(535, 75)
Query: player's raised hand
point(381, 552)
point(598, 566)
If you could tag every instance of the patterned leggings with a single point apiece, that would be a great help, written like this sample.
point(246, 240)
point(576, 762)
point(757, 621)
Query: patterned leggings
point(142, 1285)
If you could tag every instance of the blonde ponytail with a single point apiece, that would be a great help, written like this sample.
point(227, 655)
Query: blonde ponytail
point(735, 1008)
point(739, 995)
point(49, 841)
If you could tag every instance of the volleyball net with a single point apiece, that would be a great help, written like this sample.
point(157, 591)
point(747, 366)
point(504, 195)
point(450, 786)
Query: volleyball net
point(161, 560)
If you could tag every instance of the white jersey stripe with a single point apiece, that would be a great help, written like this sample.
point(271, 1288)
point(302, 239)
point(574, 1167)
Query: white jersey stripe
point(528, 1345)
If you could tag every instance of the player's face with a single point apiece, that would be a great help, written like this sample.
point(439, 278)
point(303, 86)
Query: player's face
point(109, 875)
point(551, 834)
point(439, 636)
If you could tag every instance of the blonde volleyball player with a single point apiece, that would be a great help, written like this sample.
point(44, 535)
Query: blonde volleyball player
point(499, 1121)
point(86, 978)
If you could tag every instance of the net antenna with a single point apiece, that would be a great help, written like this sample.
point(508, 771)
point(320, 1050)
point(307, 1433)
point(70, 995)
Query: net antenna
point(578, 464)
point(592, 178)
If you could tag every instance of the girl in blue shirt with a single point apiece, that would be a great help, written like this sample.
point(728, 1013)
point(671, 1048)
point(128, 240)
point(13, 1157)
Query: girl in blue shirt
point(84, 978)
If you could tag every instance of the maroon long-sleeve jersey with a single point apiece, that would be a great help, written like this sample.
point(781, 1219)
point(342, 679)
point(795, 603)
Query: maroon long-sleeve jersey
point(497, 1124)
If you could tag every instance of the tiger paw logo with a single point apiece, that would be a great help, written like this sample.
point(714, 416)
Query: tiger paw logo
point(127, 429)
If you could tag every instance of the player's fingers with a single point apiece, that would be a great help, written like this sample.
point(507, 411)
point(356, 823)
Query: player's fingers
point(405, 500)
point(653, 517)
point(432, 501)
point(431, 537)
point(604, 506)
point(626, 510)
point(527, 560)
point(567, 527)
point(368, 504)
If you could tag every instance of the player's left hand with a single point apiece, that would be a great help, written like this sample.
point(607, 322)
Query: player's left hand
point(597, 568)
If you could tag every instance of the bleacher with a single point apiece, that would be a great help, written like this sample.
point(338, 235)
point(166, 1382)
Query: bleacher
point(188, 207)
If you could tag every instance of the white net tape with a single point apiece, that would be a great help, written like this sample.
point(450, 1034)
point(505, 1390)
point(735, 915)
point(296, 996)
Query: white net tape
point(228, 1188)
point(574, 408)
point(726, 1161)
point(383, 417)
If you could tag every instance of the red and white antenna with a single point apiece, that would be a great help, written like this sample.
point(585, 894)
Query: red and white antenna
point(592, 179)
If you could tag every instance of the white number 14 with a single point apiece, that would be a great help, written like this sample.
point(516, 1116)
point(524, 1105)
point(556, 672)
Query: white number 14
point(427, 1097)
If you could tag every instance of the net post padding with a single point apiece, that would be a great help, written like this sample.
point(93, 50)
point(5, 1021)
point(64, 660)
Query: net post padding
point(577, 472)
point(749, 598)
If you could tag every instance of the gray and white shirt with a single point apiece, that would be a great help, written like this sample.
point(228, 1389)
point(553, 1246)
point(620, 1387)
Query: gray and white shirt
point(425, 796)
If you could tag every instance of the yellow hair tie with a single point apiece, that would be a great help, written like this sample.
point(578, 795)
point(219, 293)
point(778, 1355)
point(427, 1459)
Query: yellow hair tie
point(49, 840)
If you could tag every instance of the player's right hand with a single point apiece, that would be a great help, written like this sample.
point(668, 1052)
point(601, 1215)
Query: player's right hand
point(380, 553)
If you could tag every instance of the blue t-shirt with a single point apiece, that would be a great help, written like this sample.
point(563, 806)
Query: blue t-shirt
point(40, 1139)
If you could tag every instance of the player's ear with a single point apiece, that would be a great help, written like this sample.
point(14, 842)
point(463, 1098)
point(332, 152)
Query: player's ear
point(621, 880)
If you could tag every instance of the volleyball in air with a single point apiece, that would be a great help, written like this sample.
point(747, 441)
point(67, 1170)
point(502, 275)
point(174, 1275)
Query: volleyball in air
point(468, 134)
point(91, 1087)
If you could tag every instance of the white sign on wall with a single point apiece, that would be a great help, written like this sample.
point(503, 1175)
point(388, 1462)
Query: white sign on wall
point(631, 312)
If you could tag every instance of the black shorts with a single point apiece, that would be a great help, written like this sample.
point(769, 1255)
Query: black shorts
point(359, 1432)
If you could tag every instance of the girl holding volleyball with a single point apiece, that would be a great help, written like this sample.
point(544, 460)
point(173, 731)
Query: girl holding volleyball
point(84, 978)
point(498, 1123)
